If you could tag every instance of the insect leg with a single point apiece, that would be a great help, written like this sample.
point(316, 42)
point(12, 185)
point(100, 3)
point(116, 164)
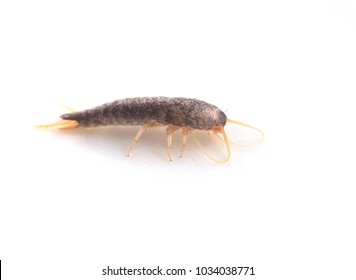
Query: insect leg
point(139, 134)
point(137, 137)
point(170, 130)
point(185, 132)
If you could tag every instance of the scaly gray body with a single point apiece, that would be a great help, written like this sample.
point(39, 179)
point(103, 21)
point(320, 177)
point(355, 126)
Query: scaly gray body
point(177, 111)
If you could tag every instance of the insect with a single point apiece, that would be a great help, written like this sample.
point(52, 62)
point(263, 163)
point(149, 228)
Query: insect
point(184, 114)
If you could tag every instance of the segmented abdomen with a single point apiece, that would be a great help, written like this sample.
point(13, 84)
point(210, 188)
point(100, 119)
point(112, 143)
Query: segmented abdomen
point(185, 112)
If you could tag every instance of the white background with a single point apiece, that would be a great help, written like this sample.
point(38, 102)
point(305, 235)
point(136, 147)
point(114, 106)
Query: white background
point(72, 203)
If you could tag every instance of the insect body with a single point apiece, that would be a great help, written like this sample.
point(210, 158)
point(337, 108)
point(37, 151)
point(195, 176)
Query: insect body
point(185, 114)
